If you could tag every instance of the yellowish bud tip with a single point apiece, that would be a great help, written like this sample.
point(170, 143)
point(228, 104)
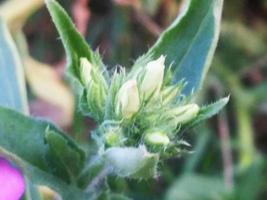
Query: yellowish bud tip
point(85, 71)
point(153, 78)
point(113, 137)
point(128, 101)
point(186, 113)
point(157, 138)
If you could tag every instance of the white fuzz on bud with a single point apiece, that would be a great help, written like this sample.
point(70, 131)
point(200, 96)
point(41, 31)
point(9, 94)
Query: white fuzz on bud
point(85, 71)
point(128, 101)
point(157, 138)
point(153, 77)
point(184, 114)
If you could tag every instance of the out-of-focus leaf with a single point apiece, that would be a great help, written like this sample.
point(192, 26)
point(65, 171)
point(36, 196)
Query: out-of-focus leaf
point(31, 191)
point(24, 138)
point(196, 187)
point(12, 84)
point(150, 7)
point(250, 181)
point(46, 84)
point(189, 43)
point(236, 52)
point(118, 197)
point(199, 151)
point(259, 93)
point(15, 12)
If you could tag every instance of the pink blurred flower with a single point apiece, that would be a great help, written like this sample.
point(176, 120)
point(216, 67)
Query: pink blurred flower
point(12, 183)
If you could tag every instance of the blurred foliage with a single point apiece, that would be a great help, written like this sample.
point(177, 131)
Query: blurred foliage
point(231, 163)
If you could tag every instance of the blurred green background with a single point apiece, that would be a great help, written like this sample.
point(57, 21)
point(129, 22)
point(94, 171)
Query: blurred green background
point(228, 152)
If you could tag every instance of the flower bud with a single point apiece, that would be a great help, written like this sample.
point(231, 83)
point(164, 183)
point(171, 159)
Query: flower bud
point(128, 101)
point(184, 114)
point(85, 71)
point(157, 139)
point(114, 137)
point(48, 193)
point(153, 77)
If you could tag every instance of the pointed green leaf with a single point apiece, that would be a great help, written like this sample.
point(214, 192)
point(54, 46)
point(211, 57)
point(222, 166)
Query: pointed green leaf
point(74, 44)
point(196, 187)
point(209, 111)
point(76, 48)
point(12, 83)
point(251, 180)
point(189, 43)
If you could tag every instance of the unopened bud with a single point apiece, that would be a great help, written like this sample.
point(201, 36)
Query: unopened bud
point(128, 101)
point(157, 139)
point(184, 114)
point(48, 193)
point(114, 137)
point(153, 77)
point(85, 71)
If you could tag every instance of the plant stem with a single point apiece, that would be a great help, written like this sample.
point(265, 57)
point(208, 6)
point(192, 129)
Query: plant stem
point(245, 130)
point(242, 102)
point(226, 150)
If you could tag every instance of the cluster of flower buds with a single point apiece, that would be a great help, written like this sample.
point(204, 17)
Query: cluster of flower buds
point(139, 115)
point(146, 86)
point(147, 110)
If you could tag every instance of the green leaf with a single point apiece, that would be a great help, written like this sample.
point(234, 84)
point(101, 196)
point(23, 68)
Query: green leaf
point(132, 162)
point(196, 187)
point(209, 111)
point(67, 159)
point(118, 197)
point(12, 83)
point(23, 139)
point(76, 48)
point(251, 180)
point(189, 43)
point(74, 44)
point(259, 93)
